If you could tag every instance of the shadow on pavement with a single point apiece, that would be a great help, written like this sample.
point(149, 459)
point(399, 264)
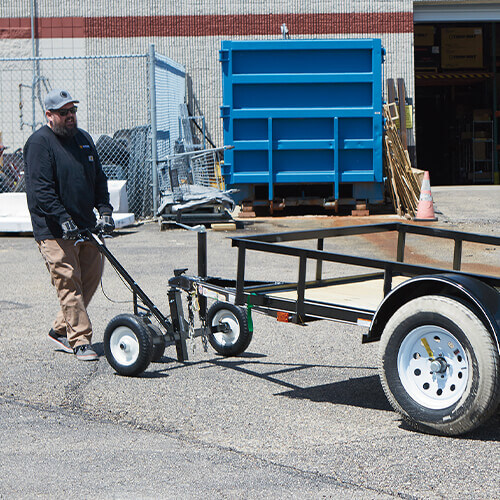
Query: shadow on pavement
point(363, 392)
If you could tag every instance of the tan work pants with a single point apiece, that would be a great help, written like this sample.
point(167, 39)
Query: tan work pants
point(75, 271)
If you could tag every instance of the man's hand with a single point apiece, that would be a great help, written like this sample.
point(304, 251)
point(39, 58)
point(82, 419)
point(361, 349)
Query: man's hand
point(106, 224)
point(70, 230)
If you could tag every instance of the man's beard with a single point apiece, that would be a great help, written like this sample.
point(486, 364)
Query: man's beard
point(64, 131)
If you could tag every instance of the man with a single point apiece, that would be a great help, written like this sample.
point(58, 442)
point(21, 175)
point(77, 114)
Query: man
point(64, 183)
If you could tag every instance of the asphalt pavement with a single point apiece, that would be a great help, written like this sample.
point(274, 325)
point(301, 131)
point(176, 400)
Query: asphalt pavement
point(300, 414)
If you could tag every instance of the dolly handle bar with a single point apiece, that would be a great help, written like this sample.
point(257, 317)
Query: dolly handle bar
point(88, 235)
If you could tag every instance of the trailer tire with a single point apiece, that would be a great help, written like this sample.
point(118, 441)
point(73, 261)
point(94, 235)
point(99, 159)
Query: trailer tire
point(238, 338)
point(158, 342)
point(449, 383)
point(128, 344)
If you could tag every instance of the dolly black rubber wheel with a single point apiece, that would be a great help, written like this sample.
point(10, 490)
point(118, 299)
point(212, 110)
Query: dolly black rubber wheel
point(128, 344)
point(236, 337)
point(158, 342)
point(440, 367)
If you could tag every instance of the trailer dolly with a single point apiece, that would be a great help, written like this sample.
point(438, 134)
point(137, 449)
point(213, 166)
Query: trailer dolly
point(439, 329)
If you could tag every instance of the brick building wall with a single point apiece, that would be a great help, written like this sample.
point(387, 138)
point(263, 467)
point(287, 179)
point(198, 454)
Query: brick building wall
point(191, 33)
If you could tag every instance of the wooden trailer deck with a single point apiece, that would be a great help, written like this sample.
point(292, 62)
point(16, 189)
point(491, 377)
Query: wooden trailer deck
point(366, 294)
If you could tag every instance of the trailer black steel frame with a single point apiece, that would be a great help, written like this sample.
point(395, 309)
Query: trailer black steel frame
point(479, 293)
point(300, 311)
point(255, 294)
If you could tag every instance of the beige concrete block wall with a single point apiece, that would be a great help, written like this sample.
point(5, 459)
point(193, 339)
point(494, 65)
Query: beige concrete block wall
point(195, 37)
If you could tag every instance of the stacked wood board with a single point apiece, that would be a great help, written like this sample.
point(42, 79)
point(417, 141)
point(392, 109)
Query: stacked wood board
point(403, 183)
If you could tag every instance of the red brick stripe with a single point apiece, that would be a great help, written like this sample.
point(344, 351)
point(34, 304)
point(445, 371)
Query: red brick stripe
point(209, 25)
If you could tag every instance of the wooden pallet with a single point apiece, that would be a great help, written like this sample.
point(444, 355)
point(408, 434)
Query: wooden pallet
point(404, 186)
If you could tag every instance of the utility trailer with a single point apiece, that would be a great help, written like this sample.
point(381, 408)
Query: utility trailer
point(439, 329)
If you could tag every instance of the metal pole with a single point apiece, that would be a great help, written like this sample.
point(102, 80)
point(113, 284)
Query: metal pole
point(495, 169)
point(33, 53)
point(457, 255)
point(319, 262)
point(202, 254)
point(202, 270)
point(152, 110)
point(400, 256)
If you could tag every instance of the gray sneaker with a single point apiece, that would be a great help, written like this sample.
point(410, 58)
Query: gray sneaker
point(85, 353)
point(61, 341)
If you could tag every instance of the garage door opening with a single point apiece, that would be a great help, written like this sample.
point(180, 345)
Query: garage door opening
point(456, 99)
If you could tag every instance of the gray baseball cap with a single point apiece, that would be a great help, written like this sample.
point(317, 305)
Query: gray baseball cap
point(57, 98)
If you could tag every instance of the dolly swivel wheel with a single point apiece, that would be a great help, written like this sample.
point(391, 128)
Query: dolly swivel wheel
point(128, 344)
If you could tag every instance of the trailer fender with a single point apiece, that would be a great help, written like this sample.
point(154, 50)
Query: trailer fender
point(483, 299)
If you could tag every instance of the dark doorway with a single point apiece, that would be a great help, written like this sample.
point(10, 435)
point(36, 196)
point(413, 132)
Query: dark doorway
point(455, 106)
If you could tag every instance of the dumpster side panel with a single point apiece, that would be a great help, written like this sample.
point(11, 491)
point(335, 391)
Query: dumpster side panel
point(302, 112)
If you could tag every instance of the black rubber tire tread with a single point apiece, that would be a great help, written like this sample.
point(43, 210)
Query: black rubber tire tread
point(482, 395)
point(158, 342)
point(144, 338)
point(245, 335)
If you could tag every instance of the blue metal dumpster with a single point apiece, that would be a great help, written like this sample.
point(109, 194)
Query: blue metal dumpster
point(305, 120)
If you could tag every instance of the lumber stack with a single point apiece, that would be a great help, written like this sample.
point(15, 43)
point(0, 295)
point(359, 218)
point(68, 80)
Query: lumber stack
point(404, 186)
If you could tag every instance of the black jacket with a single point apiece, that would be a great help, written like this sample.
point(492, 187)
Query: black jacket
point(64, 179)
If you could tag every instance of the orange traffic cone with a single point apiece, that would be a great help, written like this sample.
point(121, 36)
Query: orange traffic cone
point(425, 208)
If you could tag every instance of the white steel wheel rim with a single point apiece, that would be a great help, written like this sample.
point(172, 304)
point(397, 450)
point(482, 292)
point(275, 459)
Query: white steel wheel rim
point(433, 367)
point(229, 338)
point(124, 346)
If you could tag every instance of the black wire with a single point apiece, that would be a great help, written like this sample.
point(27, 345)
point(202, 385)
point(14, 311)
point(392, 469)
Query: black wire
point(123, 281)
point(126, 286)
point(204, 135)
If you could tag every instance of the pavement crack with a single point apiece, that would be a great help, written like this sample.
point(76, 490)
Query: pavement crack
point(73, 406)
point(74, 390)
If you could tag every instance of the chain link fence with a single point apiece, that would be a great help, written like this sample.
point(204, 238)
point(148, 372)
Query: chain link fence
point(115, 108)
point(170, 87)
